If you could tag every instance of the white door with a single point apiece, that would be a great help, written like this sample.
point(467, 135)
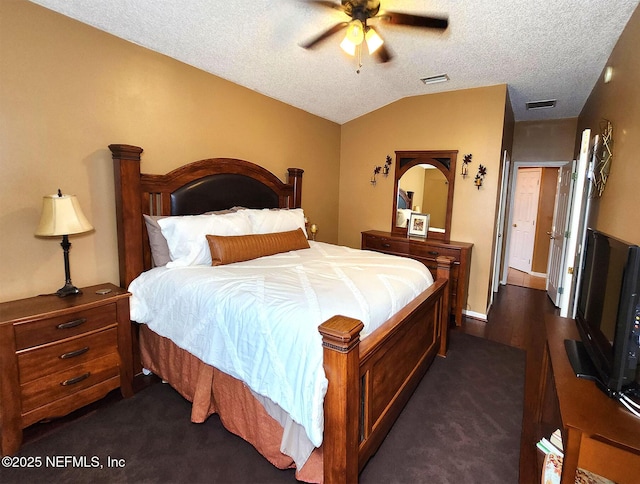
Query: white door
point(525, 212)
point(578, 212)
point(559, 229)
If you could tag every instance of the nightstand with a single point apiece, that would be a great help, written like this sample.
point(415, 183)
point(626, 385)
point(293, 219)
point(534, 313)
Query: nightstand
point(59, 354)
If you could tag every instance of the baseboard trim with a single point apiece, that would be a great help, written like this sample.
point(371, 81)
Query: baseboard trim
point(474, 315)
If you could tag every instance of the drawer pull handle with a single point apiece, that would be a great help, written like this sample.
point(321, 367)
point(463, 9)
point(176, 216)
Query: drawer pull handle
point(386, 246)
point(77, 379)
point(433, 252)
point(75, 353)
point(72, 324)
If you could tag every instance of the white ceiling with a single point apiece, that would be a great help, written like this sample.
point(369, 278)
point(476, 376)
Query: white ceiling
point(543, 49)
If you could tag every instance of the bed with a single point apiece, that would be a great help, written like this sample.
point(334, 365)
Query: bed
point(369, 379)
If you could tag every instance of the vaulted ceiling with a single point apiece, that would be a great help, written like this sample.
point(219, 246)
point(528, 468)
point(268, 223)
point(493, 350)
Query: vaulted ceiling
point(542, 49)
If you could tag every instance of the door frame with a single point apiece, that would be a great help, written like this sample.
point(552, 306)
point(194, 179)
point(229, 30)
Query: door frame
point(499, 235)
point(512, 187)
point(579, 219)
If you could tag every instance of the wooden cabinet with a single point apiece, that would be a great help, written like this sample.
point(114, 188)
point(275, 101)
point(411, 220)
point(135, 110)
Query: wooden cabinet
point(59, 354)
point(426, 251)
point(598, 433)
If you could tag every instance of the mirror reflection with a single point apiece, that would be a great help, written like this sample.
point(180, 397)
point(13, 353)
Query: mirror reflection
point(423, 189)
point(424, 183)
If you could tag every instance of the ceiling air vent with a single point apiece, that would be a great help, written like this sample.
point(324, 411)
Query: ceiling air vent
point(435, 79)
point(541, 104)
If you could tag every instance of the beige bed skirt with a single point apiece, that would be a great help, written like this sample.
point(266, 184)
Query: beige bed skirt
point(213, 391)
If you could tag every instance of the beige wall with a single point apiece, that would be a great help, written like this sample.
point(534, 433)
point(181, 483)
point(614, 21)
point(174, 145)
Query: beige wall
point(546, 140)
point(470, 121)
point(618, 101)
point(68, 90)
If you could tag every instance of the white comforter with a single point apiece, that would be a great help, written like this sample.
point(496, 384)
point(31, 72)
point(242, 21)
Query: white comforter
point(258, 320)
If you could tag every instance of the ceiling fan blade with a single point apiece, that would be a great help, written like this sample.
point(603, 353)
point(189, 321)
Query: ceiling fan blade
point(382, 54)
point(327, 33)
point(327, 3)
point(397, 18)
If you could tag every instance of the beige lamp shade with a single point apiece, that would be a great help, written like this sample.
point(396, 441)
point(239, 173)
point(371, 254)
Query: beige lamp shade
point(62, 215)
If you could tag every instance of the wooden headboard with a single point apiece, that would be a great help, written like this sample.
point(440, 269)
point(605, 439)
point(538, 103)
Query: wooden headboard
point(405, 199)
point(198, 187)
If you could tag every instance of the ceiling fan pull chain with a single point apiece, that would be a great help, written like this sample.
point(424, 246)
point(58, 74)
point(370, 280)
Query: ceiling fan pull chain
point(359, 58)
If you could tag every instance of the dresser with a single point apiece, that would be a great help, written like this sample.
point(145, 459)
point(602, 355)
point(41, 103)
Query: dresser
point(426, 251)
point(59, 354)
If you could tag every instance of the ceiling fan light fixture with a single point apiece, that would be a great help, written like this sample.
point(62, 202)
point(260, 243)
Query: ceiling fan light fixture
point(373, 40)
point(348, 46)
point(354, 37)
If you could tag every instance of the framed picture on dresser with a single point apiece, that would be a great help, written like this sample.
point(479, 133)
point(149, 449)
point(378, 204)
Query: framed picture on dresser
point(418, 225)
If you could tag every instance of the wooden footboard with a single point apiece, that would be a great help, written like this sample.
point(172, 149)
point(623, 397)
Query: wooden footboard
point(371, 381)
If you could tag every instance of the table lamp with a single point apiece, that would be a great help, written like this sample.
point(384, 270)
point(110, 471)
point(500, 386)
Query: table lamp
point(62, 216)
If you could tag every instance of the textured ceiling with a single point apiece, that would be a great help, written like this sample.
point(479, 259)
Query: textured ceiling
point(542, 49)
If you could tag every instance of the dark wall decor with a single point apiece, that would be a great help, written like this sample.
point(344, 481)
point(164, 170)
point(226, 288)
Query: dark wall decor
point(482, 171)
point(384, 169)
point(465, 165)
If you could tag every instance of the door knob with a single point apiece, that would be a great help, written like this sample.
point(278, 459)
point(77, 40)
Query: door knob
point(515, 225)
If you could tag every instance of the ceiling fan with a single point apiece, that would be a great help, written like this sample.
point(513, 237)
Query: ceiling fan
point(358, 30)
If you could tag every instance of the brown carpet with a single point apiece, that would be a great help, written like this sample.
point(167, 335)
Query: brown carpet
point(461, 426)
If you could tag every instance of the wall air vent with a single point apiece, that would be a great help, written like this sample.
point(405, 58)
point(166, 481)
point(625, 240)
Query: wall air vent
point(435, 79)
point(551, 103)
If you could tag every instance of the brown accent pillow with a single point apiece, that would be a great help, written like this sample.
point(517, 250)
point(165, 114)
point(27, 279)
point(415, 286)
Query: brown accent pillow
point(238, 248)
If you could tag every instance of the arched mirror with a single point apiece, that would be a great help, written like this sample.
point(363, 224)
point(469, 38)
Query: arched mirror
point(424, 183)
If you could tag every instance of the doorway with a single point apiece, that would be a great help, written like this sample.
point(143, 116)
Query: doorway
point(540, 185)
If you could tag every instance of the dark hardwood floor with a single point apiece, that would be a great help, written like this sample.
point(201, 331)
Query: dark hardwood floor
point(517, 319)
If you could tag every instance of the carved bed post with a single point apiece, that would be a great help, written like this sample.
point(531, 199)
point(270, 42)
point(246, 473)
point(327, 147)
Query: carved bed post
point(341, 342)
point(126, 167)
point(295, 179)
point(444, 272)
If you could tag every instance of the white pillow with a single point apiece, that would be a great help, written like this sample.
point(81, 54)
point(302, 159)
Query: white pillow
point(187, 235)
point(269, 221)
point(402, 217)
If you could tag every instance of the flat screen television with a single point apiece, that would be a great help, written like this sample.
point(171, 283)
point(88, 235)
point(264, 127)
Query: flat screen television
point(608, 314)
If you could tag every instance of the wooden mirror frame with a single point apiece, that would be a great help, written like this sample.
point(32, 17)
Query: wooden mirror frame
point(445, 161)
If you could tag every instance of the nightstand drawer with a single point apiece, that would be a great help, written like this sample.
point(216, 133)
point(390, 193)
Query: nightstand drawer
point(53, 329)
point(60, 384)
point(55, 357)
point(385, 245)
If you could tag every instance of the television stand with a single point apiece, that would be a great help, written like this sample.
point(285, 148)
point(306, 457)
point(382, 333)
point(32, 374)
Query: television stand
point(598, 434)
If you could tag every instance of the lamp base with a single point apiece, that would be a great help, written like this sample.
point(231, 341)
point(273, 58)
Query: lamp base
point(68, 290)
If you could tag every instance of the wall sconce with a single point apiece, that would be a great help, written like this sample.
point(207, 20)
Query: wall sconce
point(465, 163)
point(62, 215)
point(384, 169)
point(376, 170)
point(387, 166)
point(482, 171)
